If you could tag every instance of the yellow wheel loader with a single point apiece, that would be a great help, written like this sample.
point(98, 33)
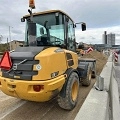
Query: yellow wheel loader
point(47, 66)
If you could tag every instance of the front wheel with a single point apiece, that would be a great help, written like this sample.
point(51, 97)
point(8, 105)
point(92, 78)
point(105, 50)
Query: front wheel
point(71, 93)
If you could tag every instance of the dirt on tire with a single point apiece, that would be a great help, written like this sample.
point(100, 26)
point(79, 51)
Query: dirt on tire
point(67, 101)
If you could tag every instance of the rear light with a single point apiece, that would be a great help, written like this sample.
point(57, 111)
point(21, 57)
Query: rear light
point(38, 88)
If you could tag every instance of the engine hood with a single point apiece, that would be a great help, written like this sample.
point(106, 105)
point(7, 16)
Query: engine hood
point(26, 52)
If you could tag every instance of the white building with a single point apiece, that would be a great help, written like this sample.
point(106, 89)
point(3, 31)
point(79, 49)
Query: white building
point(111, 39)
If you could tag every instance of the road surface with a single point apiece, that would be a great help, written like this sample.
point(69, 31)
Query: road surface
point(15, 109)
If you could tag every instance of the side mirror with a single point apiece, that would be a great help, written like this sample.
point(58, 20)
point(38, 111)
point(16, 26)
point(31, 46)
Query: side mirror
point(57, 18)
point(32, 28)
point(83, 26)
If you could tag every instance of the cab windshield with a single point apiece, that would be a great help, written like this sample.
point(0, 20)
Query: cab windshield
point(45, 30)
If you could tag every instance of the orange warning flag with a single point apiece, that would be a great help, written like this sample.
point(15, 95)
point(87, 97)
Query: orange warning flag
point(6, 62)
point(32, 4)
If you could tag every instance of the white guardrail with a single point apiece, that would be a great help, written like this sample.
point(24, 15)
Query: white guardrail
point(102, 105)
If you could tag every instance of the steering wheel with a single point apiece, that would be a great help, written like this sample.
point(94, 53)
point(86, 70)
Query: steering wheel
point(58, 42)
point(55, 42)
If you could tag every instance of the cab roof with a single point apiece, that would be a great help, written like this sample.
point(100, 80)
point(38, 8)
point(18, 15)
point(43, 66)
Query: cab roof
point(46, 12)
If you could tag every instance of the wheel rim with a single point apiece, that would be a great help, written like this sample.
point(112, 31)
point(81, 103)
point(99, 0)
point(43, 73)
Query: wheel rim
point(74, 91)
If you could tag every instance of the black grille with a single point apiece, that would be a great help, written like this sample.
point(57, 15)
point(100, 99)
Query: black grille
point(23, 71)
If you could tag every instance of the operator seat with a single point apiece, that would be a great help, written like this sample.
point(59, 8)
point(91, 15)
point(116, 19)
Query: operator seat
point(42, 40)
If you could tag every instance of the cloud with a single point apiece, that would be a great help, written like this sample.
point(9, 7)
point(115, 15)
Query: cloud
point(82, 38)
point(17, 31)
point(118, 35)
point(94, 35)
point(99, 16)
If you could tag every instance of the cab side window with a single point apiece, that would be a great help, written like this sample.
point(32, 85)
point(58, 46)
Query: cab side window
point(71, 36)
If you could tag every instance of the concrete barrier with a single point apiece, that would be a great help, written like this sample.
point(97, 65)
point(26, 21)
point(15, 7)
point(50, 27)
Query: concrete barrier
point(114, 97)
point(95, 106)
point(102, 105)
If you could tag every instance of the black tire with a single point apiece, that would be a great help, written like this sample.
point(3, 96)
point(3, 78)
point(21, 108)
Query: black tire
point(94, 74)
point(87, 81)
point(71, 93)
point(94, 71)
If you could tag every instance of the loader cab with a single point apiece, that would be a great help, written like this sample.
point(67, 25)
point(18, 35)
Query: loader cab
point(50, 28)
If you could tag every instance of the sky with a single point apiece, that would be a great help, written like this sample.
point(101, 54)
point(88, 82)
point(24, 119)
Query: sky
point(99, 16)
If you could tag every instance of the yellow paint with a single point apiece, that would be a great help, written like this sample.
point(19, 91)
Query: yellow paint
point(75, 90)
point(75, 59)
point(47, 12)
point(24, 89)
point(81, 51)
point(0, 73)
point(50, 62)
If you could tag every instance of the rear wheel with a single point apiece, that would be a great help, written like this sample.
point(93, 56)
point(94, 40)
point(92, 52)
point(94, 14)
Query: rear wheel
point(93, 74)
point(71, 93)
point(87, 81)
point(94, 71)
